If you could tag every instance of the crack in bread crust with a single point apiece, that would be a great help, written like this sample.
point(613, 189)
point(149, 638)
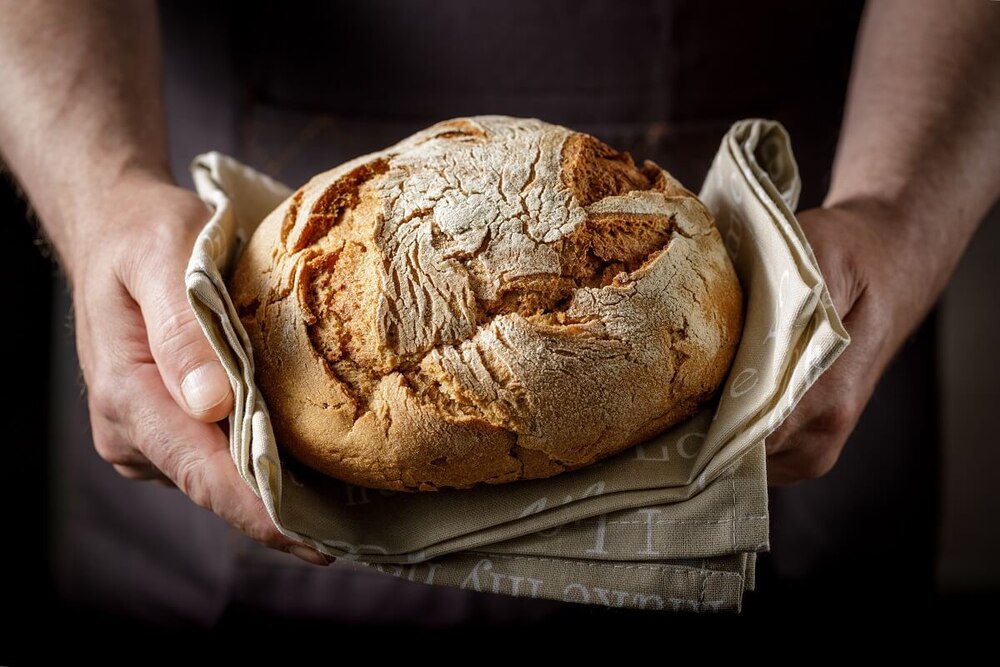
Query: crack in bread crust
point(604, 247)
point(475, 277)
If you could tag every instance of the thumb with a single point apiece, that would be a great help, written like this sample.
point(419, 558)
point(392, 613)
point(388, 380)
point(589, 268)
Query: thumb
point(831, 233)
point(188, 365)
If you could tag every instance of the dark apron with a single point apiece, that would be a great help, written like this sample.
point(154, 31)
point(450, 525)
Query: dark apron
point(295, 88)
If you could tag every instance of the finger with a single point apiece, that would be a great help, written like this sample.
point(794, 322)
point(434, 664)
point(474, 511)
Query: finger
point(112, 445)
point(140, 473)
point(831, 406)
point(843, 280)
point(188, 365)
point(781, 438)
point(195, 456)
point(834, 402)
point(779, 474)
point(817, 409)
point(104, 367)
point(812, 453)
point(818, 225)
point(809, 442)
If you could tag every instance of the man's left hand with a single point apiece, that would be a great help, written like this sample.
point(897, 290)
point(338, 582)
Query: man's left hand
point(857, 252)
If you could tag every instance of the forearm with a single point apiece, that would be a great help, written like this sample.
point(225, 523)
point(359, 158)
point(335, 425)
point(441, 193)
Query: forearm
point(921, 132)
point(82, 103)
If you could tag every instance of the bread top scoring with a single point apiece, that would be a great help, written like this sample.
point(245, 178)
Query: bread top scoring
point(451, 261)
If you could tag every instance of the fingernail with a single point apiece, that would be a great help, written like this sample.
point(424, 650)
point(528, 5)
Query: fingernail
point(310, 555)
point(205, 387)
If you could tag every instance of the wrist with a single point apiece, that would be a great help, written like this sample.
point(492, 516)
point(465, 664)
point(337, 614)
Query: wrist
point(894, 240)
point(70, 175)
point(137, 209)
point(82, 186)
point(890, 218)
point(926, 226)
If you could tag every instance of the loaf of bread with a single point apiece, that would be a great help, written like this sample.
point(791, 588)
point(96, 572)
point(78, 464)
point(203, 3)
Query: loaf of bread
point(491, 299)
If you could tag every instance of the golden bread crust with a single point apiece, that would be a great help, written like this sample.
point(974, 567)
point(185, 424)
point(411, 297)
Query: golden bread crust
point(491, 299)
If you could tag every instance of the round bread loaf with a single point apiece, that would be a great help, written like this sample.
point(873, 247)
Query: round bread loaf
point(491, 299)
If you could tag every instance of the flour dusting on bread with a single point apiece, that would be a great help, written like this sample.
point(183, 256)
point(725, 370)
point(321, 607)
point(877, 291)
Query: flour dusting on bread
point(491, 299)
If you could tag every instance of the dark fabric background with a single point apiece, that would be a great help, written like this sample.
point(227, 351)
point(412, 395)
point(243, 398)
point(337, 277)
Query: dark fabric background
point(295, 90)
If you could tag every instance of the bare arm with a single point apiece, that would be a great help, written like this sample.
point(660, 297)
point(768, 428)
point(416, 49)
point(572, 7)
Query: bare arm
point(82, 128)
point(917, 169)
point(82, 103)
point(922, 128)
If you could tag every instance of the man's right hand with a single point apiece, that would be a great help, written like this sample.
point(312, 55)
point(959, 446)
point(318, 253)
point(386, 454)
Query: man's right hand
point(82, 128)
point(155, 386)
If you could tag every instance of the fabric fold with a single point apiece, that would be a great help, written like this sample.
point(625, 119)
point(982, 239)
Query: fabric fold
point(673, 523)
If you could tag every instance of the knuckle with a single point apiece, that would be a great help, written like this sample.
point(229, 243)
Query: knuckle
point(235, 504)
point(179, 337)
point(176, 331)
point(837, 420)
point(112, 449)
point(104, 396)
point(133, 472)
point(263, 531)
point(129, 258)
point(818, 465)
point(188, 474)
point(107, 450)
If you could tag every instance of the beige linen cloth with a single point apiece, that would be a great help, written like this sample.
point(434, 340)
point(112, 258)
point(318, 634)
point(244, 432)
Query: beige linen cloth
point(674, 523)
